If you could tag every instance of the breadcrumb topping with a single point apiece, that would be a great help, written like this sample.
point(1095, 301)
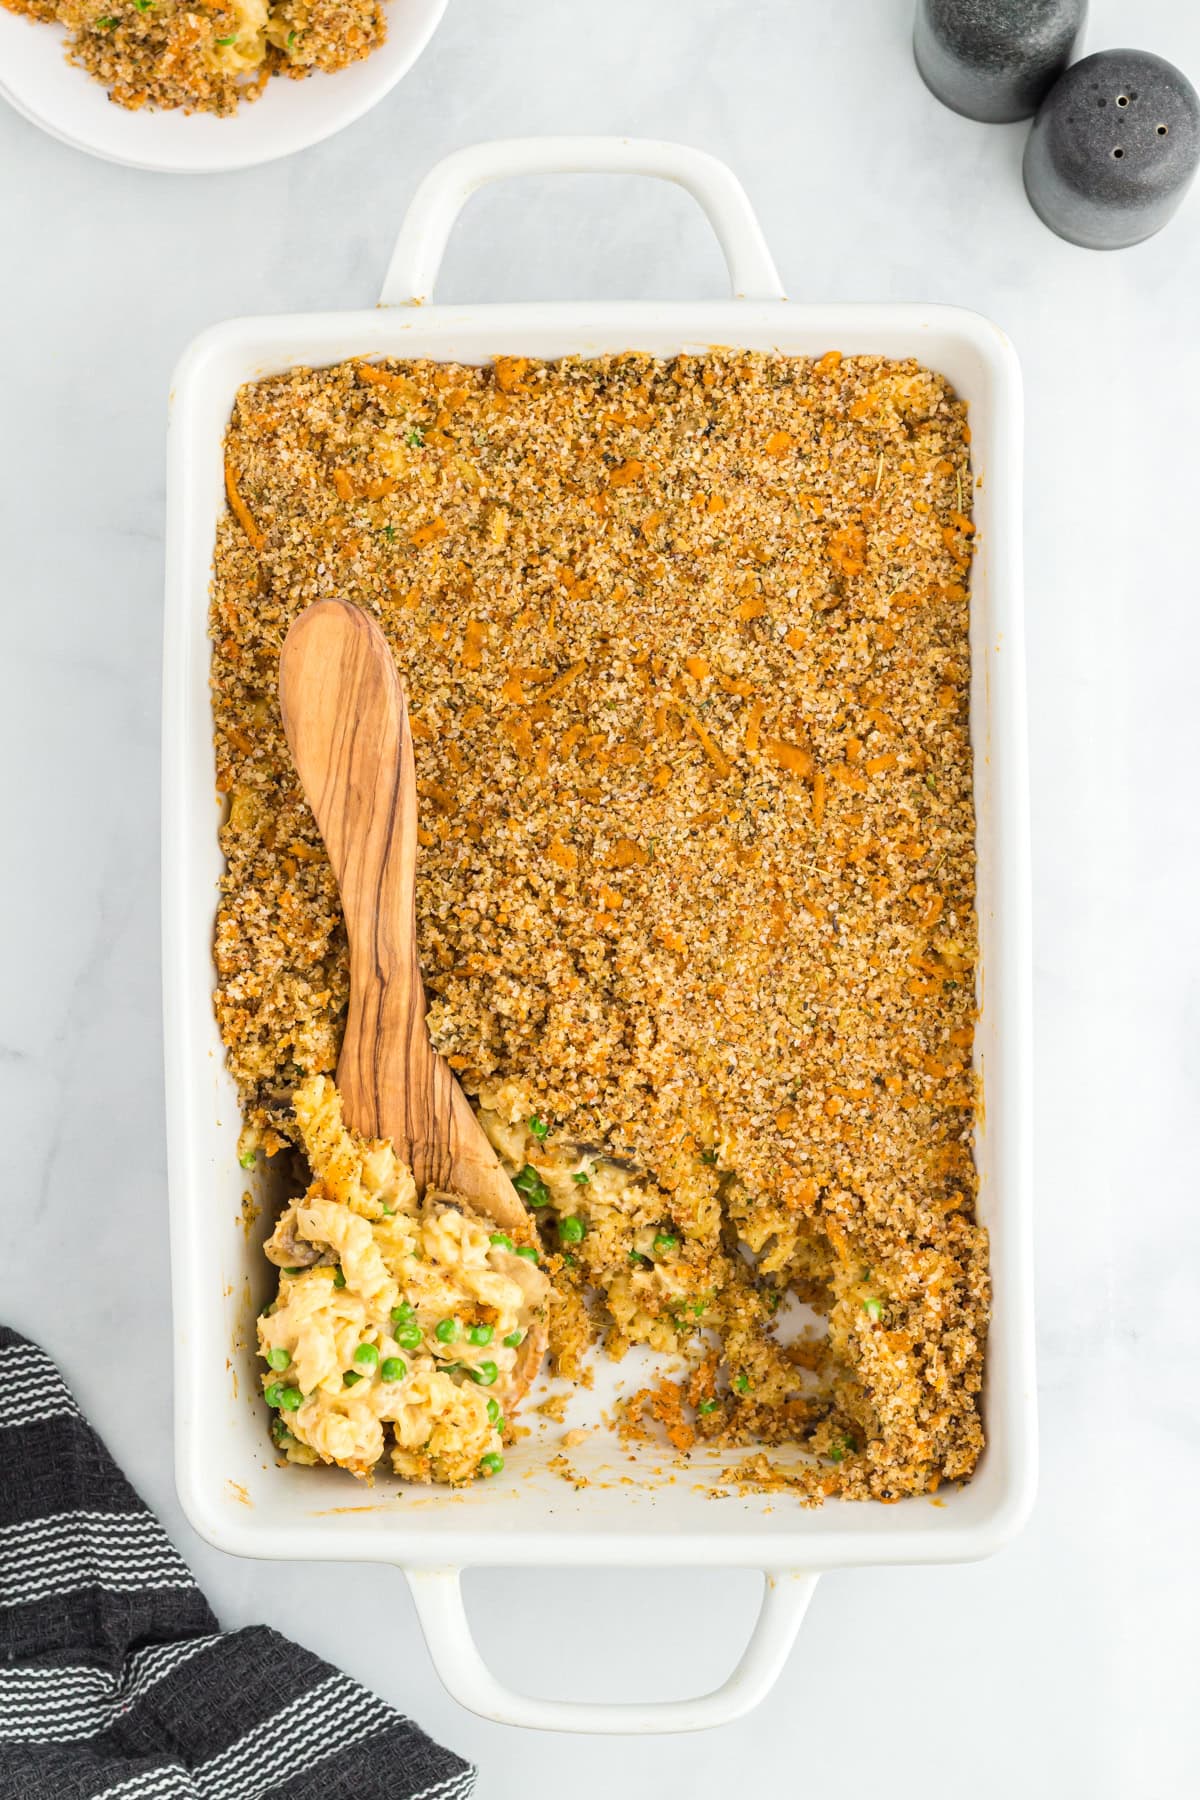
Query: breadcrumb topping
point(685, 645)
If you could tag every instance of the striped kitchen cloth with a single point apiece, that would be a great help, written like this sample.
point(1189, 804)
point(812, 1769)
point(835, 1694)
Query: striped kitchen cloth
point(115, 1683)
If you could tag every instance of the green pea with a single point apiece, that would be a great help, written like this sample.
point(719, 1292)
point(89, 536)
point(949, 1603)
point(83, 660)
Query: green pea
point(665, 1242)
point(281, 1434)
point(339, 1278)
point(484, 1373)
point(279, 1359)
point(294, 1270)
point(581, 1175)
point(446, 1330)
point(638, 1260)
point(351, 1378)
point(402, 1314)
point(527, 1181)
point(539, 1130)
point(409, 1337)
point(501, 1240)
point(707, 1406)
point(291, 1398)
point(528, 1252)
point(273, 1395)
point(491, 1464)
point(514, 1338)
point(873, 1309)
point(572, 1230)
point(742, 1383)
point(495, 1416)
point(367, 1355)
point(394, 1368)
point(480, 1334)
point(248, 1158)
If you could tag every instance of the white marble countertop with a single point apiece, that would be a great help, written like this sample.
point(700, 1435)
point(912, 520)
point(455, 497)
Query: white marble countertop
point(1067, 1664)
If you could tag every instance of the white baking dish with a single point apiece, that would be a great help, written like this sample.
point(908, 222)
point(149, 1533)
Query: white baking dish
point(229, 1484)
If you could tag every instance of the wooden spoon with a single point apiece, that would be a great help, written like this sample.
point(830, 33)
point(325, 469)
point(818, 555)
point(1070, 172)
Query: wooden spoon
point(346, 721)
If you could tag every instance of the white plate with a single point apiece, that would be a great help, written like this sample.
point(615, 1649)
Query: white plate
point(633, 1511)
point(37, 79)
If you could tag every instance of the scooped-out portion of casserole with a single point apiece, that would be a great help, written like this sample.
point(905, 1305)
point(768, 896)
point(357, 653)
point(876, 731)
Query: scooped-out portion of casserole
point(686, 649)
point(397, 1327)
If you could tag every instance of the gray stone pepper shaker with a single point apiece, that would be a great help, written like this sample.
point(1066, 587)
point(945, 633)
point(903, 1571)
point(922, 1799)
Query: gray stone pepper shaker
point(995, 59)
point(1113, 149)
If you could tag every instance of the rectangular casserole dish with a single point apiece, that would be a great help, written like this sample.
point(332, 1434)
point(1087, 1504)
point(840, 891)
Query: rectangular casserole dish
point(530, 1515)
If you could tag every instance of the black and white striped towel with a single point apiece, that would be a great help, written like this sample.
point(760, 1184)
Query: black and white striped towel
point(115, 1683)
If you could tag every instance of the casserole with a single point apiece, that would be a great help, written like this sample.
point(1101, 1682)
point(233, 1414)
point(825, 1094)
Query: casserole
point(532, 1515)
point(37, 79)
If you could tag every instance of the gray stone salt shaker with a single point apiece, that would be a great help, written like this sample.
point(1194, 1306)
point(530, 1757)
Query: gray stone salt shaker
point(1113, 149)
point(995, 59)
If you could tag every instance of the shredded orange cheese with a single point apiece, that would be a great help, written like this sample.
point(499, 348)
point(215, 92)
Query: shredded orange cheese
point(712, 750)
point(240, 510)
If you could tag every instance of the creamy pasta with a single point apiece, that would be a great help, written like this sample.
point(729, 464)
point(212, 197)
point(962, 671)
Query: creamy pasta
point(400, 1322)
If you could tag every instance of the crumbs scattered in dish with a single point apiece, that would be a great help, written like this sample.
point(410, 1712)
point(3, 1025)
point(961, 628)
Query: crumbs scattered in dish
point(207, 57)
point(686, 651)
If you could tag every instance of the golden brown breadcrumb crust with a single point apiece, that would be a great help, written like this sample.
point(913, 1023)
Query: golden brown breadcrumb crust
point(686, 651)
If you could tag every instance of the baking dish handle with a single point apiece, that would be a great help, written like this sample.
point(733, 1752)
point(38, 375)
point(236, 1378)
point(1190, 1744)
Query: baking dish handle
point(449, 185)
point(438, 1596)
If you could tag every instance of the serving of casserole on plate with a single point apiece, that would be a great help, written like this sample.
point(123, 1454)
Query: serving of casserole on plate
point(709, 617)
point(188, 90)
point(209, 60)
